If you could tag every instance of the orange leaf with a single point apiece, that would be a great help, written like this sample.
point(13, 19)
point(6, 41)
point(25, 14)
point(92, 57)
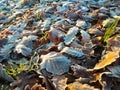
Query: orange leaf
point(79, 86)
point(1, 36)
point(110, 57)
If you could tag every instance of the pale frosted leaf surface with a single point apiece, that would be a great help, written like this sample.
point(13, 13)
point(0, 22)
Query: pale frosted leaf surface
point(85, 36)
point(70, 36)
point(55, 63)
point(74, 52)
point(115, 71)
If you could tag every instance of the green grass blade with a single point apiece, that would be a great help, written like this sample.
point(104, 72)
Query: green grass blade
point(110, 30)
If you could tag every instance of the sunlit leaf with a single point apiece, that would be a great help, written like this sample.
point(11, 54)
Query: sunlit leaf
point(60, 82)
point(79, 86)
point(110, 57)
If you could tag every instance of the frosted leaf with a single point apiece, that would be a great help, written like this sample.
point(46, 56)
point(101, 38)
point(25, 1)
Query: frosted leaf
point(4, 75)
point(74, 52)
point(115, 71)
point(32, 37)
point(6, 50)
point(27, 41)
point(55, 63)
point(85, 36)
point(25, 45)
point(70, 36)
point(61, 22)
point(23, 50)
point(13, 38)
point(46, 24)
point(61, 46)
point(82, 24)
point(95, 31)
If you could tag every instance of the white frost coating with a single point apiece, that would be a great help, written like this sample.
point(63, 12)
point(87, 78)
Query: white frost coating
point(85, 36)
point(23, 50)
point(70, 36)
point(74, 52)
point(46, 24)
point(55, 63)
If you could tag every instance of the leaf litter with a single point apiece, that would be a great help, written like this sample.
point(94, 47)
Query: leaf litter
point(59, 45)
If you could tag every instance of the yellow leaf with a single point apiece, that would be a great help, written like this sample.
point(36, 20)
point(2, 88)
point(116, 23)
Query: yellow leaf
point(110, 57)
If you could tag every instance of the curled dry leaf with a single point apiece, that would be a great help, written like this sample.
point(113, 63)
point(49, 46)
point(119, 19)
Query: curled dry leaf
point(6, 50)
point(46, 24)
point(79, 86)
point(55, 63)
point(109, 58)
point(23, 50)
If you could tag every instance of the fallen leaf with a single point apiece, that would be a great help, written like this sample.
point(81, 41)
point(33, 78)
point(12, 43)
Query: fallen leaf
point(70, 36)
point(110, 57)
point(60, 82)
point(114, 43)
point(115, 71)
point(79, 86)
point(55, 63)
point(26, 78)
point(4, 75)
point(37, 87)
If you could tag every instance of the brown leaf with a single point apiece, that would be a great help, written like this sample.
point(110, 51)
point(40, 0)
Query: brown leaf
point(26, 78)
point(60, 82)
point(49, 84)
point(114, 43)
point(110, 57)
point(37, 87)
point(80, 71)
